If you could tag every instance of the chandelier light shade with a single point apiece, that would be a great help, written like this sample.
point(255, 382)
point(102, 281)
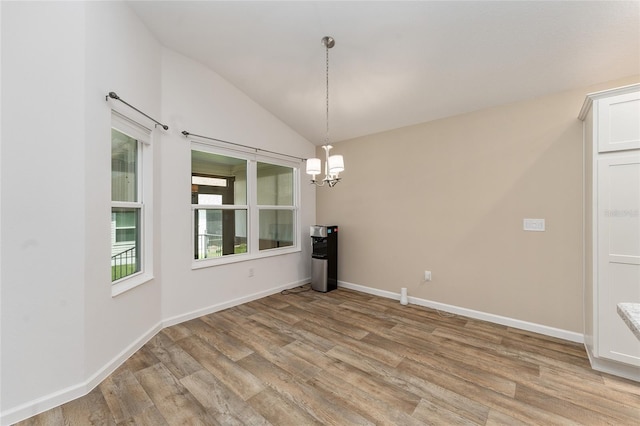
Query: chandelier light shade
point(313, 166)
point(333, 164)
point(336, 164)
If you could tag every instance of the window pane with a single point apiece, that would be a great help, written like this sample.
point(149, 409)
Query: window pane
point(275, 185)
point(276, 228)
point(124, 167)
point(126, 218)
point(219, 232)
point(125, 235)
point(125, 240)
point(220, 175)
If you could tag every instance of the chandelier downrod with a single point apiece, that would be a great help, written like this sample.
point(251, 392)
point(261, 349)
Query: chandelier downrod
point(333, 164)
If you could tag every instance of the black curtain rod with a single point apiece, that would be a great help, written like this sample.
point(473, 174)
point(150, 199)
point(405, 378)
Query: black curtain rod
point(185, 133)
point(113, 95)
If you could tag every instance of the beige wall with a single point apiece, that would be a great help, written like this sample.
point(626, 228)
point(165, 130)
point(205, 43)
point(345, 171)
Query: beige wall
point(450, 195)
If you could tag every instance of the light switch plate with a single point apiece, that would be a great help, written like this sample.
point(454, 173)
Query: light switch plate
point(533, 225)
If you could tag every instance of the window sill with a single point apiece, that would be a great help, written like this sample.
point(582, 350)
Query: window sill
point(235, 258)
point(130, 283)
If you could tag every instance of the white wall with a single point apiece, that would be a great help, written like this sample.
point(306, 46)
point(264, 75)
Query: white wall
point(42, 199)
point(123, 57)
point(460, 189)
point(199, 101)
point(62, 331)
point(0, 205)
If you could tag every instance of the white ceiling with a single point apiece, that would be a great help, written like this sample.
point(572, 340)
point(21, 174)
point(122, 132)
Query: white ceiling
point(399, 63)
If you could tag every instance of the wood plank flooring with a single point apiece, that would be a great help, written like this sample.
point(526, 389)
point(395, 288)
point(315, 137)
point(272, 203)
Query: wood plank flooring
point(349, 358)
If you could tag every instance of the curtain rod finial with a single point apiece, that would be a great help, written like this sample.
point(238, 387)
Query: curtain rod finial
point(184, 132)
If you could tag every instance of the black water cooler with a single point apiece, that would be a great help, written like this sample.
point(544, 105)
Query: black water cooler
point(324, 258)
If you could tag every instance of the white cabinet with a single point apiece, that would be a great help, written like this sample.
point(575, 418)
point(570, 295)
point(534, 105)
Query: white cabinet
point(618, 123)
point(612, 227)
point(618, 253)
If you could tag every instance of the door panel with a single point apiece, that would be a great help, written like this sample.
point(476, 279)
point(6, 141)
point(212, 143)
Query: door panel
point(618, 253)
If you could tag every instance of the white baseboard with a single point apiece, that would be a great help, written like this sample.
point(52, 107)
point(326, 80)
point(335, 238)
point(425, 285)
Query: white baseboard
point(231, 303)
point(484, 316)
point(37, 406)
point(70, 393)
point(116, 362)
point(47, 402)
point(630, 372)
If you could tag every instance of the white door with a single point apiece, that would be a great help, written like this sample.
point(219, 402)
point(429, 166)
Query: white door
point(618, 253)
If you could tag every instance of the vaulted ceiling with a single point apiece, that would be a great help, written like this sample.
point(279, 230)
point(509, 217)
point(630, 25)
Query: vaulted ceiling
point(398, 63)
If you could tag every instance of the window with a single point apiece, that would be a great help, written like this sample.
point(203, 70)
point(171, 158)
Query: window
point(219, 197)
point(130, 193)
point(243, 206)
point(275, 205)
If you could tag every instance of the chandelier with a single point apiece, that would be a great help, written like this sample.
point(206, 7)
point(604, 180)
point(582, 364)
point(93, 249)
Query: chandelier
point(333, 164)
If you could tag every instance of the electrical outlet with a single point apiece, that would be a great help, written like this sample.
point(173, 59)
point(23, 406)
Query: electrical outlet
point(427, 275)
point(250, 272)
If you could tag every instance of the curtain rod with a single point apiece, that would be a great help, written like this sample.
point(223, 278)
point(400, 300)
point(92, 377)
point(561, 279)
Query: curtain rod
point(113, 95)
point(186, 134)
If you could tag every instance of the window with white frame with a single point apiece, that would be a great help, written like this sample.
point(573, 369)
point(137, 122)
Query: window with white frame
point(219, 199)
point(276, 208)
point(244, 205)
point(130, 196)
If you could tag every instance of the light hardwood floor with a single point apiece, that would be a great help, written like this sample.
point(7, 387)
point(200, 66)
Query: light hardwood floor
point(349, 358)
